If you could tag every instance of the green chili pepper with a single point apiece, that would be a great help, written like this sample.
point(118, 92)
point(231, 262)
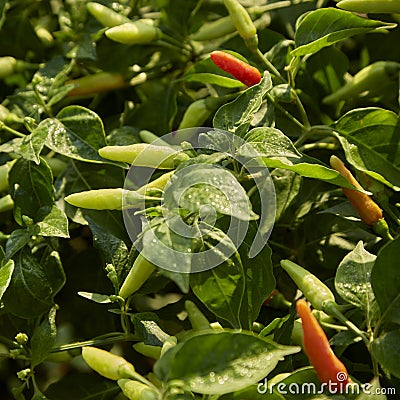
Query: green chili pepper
point(137, 276)
point(4, 170)
point(141, 154)
point(7, 66)
point(370, 6)
point(137, 32)
point(96, 83)
point(243, 23)
point(148, 350)
point(158, 183)
point(196, 317)
point(214, 30)
point(6, 203)
point(105, 15)
point(315, 291)
point(372, 78)
point(108, 199)
point(107, 364)
point(135, 390)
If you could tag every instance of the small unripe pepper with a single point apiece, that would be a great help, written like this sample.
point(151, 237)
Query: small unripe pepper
point(141, 154)
point(105, 15)
point(148, 350)
point(214, 30)
point(107, 199)
point(137, 276)
point(96, 83)
point(316, 292)
point(243, 23)
point(328, 367)
point(107, 364)
point(137, 32)
point(370, 6)
point(371, 78)
point(135, 390)
point(7, 66)
point(242, 71)
point(366, 208)
point(196, 317)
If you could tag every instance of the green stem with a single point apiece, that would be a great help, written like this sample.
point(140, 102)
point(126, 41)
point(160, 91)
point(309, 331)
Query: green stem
point(332, 309)
point(285, 112)
point(269, 66)
point(10, 130)
point(95, 342)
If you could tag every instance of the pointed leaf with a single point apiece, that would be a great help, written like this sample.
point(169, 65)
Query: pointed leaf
point(324, 27)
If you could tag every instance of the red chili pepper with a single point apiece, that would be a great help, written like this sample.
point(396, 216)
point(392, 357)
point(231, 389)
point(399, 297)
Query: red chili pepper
point(328, 367)
point(242, 71)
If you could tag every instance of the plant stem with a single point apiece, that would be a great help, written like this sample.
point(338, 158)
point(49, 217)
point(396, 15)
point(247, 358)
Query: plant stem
point(95, 342)
point(268, 66)
point(10, 130)
point(333, 310)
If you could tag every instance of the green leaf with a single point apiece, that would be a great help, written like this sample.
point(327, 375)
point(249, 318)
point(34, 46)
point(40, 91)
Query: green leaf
point(223, 362)
point(165, 246)
point(55, 223)
point(352, 281)
point(31, 187)
point(29, 294)
point(258, 271)
point(6, 271)
point(31, 145)
point(54, 271)
point(236, 117)
point(96, 297)
point(277, 151)
point(199, 186)
point(17, 240)
point(385, 280)
point(221, 289)
point(214, 79)
point(324, 27)
point(386, 350)
point(43, 338)
point(76, 132)
point(368, 137)
point(147, 329)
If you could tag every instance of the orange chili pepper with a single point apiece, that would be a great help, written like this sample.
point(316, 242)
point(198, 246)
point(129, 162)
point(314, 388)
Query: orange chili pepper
point(242, 71)
point(328, 367)
point(366, 208)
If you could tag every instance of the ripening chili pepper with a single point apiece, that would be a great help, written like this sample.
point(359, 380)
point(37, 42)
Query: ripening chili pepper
point(135, 390)
point(366, 208)
point(96, 83)
point(371, 6)
point(214, 30)
point(107, 364)
point(372, 78)
point(328, 367)
point(243, 23)
point(142, 155)
point(242, 71)
point(137, 276)
point(270, 297)
point(315, 291)
point(196, 317)
point(137, 32)
point(106, 16)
